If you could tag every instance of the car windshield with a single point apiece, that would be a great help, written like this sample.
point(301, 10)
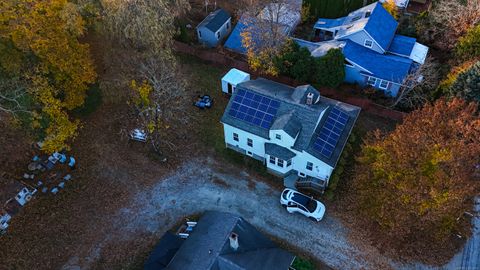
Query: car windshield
point(305, 201)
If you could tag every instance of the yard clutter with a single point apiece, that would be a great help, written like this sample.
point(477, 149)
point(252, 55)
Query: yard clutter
point(203, 102)
point(47, 174)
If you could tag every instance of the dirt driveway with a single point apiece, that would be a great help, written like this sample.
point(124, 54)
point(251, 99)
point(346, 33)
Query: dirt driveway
point(201, 185)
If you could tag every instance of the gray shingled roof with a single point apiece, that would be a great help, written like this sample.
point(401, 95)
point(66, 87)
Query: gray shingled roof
point(278, 151)
point(163, 252)
point(208, 247)
point(287, 122)
point(215, 20)
point(293, 100)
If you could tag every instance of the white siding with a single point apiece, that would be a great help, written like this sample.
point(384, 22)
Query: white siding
point(258, 142)
point(320, 169)
point(286, 140)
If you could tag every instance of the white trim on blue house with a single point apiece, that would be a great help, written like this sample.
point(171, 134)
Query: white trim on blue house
point(364, 69)
point(383, 50)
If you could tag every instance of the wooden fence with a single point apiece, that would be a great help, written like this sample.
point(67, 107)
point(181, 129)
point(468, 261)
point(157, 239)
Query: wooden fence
point(227, 60)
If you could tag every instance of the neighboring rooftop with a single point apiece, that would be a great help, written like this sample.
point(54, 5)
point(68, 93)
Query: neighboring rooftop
point(402, 45)
point(388, 67)
point(208, 247)
point(215, 20)
point(373, 18)
point(292, 105)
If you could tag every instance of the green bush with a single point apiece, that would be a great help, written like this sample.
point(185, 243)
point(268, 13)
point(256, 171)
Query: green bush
point(468, 47)
point(299, 64)
point(467, 84)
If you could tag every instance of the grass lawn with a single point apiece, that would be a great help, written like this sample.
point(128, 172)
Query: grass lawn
point(334, 8)
point(205, 79)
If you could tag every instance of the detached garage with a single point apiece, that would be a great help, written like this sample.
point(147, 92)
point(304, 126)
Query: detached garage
point(232, 78)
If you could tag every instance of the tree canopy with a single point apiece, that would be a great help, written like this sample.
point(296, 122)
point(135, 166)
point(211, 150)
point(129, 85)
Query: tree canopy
point(39, 40)
point(297, 62)
point(416, 181)
point(467, 84)
point(468, 46)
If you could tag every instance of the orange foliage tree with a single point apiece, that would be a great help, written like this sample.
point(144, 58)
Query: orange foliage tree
point(47, 32)
point(416, 181)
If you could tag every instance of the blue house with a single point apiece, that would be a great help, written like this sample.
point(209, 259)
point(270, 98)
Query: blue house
point(285, 16)
point(374, 54)
point(214, 28)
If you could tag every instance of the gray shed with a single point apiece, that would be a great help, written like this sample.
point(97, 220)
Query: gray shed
point(214, 28)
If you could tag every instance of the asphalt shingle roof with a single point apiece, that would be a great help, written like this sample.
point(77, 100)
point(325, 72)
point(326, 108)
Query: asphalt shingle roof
point(381, 26)
point(287, 122)
point(329, 23)
point(215, 20)
point(402, 45)
point(208, 247)
point(293, 100)
point(388, 67)
point(278, 151)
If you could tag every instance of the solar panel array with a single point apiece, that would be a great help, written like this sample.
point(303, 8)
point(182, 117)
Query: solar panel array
point(330, 133)
point(253, 108)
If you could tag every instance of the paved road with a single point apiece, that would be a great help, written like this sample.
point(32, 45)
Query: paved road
point(197, 186)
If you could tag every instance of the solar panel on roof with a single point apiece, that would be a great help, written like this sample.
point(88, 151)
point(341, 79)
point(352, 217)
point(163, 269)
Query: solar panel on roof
point(253, 108)
point(330, 133)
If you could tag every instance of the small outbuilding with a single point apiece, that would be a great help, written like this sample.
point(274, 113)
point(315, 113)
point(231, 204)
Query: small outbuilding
point(214, 28)
point(232, 78)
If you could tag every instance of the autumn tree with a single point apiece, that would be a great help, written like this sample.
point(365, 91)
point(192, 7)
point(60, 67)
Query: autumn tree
point(413, 183)
point(266, 31)
point(144, 25)
point(468, 46)
point(59, 70)
point(391, 7)
point(447, 21)
point(467, 84)
point(419, 86)
point(159, 99)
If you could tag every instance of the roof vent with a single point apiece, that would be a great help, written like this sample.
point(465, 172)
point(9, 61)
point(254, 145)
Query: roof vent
point(234, 241)
point(309, 100)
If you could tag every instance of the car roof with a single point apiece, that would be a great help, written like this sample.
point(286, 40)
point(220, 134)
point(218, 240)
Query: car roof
point(300, 198)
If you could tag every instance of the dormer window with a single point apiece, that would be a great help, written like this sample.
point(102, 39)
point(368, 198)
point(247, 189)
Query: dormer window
point(278, 136)
point(368, 43)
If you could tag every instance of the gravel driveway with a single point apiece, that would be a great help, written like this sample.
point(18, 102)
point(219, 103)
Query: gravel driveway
point(198, 186)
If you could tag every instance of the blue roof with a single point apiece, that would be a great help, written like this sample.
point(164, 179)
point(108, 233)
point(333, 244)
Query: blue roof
point(388, 67)
point(215, 20)
point(234, 41)
point(402, 45)
point(329, 23)
point(381, 26)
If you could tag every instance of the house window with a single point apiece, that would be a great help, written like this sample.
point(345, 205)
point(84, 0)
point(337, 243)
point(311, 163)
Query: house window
point(280, 162)
point(368, 43)
point(218, 35)
point(272, 159)
point(200, 34)
point(309, 166)
point(235, 137)
point(289, 163)
point(278, 136)
point(301, 174)
point(249, 153)
point(250, 142)
point(372, 81)
point(384, 84)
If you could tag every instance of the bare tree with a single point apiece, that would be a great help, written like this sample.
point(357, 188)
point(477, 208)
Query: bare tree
point(449, 20)
point(267, 27)
point(144, 25)
point(161, 102)
point(13, 96)
point(417, 85)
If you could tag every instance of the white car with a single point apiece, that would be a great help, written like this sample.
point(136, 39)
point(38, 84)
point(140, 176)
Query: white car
point(296, 202)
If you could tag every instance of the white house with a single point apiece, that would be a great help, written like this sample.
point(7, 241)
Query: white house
point(296, 132)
